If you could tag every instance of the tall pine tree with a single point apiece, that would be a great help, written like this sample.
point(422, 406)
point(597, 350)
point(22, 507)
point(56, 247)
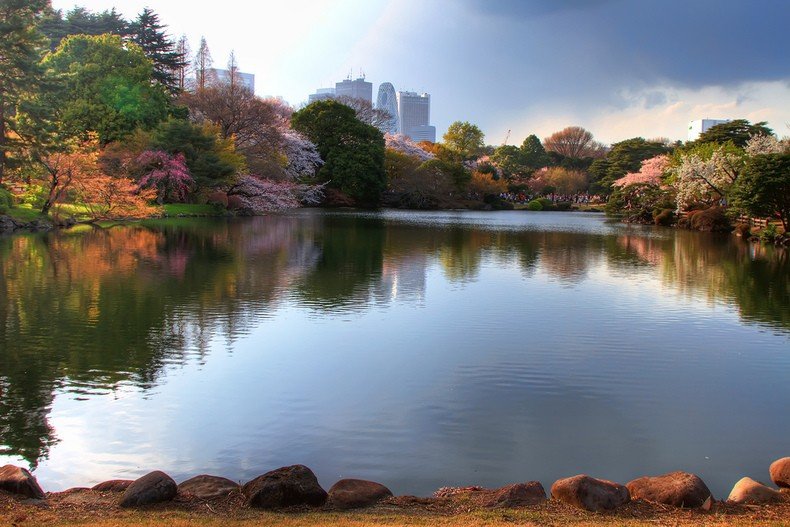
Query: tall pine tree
point(148, 33)
point(21, 49)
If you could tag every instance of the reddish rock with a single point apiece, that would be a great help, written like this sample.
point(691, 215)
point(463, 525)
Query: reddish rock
point(285, 487)
point(154, 487)
point(590, 493)
point(749, 491)
point(518, 495)
point(113, 485)
point(780, 472)
point(17, 480)
point(679, 489)
point(356, 493)
point(208, 487)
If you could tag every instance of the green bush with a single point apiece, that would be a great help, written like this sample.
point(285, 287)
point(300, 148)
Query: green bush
point(769, 233)
point(535, 205)
point(563, 205)
point(6, 201)
point(35, 196)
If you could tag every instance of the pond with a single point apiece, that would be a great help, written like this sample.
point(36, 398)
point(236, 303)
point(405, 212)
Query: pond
point(415, 349)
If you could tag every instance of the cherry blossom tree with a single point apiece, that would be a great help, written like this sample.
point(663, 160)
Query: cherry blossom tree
point(259, 196)
point(651, 173)
point(704, 178)
point(766, 144)
point(404, 145)
point(303, 157)
point(167, 174)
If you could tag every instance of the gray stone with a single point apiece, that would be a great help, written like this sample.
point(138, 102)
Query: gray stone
point(590, 493)
point(285, 487)
point(17, 480)
point(753, 492)
point(518, 495)
point(208, 487)
point(356, 493)
point(679, 489)
point(154, 487)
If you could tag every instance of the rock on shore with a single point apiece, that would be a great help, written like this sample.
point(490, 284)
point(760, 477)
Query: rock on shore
point(113, 485)
point(285, 487)
point(590, 493)
point(356, 493)
point(679, 489)
point(750, 491)
point(154, 487)
point(780, 472)
point(208, 487)
point(17, 480)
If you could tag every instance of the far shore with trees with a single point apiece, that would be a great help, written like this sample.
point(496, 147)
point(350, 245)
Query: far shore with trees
point(103, 118)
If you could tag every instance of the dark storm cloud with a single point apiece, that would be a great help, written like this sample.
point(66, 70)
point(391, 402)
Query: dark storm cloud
point(688, 42)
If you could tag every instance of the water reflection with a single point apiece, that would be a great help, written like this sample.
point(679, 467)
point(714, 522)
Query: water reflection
point(93, 310)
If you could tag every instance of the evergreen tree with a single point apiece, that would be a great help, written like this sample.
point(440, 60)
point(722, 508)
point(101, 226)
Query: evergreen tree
point(80, 21)
point(21, 49)
point(182, 48)
point(148, 33)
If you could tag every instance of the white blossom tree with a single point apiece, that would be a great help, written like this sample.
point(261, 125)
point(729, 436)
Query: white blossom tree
point(303, 157)
point(707, 179)
point(404, 145)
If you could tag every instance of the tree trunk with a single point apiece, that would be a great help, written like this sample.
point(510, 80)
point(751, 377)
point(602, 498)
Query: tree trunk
point(3, 140)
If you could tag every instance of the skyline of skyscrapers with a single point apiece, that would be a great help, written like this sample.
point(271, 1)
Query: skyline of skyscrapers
point(410, 111)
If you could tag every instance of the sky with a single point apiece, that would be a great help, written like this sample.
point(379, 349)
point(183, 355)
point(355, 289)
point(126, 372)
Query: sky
point(620, 68)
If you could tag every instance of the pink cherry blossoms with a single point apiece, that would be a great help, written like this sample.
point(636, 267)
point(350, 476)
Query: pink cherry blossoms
point(651, 173)
point(167, 173)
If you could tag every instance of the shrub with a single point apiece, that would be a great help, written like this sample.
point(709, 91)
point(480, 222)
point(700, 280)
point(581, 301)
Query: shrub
point(743, 230)
point(563, 205)
point(6, 200)
point(769, 233)
point(535, 205)
point(713, 219)
point(664, 217)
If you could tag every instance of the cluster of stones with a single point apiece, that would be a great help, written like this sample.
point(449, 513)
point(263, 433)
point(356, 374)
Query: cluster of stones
point(297, 486)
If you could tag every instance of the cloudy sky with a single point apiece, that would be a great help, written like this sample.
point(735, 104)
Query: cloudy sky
point(620, 68)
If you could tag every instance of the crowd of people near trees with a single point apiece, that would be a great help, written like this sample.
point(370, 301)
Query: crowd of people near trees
point(107, 118)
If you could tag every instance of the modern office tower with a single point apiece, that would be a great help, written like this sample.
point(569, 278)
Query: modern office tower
point(223, 76)
point(414, 116)
point(320, 94)
point(696, 128)
point(388, 101)
point(358, 88)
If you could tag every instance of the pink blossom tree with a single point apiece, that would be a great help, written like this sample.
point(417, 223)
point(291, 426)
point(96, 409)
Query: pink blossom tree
point(651, 173)
point(404, 145)
point(303, 157)
point(166, 173)
point(259, 196)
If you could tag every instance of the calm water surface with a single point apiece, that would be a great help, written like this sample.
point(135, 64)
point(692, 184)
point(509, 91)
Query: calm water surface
point(415, 349)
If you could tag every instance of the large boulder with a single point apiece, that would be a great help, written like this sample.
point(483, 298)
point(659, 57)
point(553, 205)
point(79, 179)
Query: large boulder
point(17, 480)
point(356, 493)
point(749, 491)
point(208, 487)
point(113, 485)
point(679, 489)
point(518, 495)
point(285, 487)
point(590, 493)
point(780, 472)
point(154, 487)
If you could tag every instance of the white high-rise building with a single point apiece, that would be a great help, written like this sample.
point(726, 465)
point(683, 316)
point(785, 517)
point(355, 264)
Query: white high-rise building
point(414, 116)
point(358, 88)
point(321, 94)
point(388, 101)
point(696, 128)
point(223, 76)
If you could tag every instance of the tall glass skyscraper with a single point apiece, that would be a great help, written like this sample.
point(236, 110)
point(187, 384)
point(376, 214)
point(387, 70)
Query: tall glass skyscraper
point(388, 102)
point(414, 116)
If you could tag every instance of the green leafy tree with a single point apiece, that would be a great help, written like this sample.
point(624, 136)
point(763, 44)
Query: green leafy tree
point(211, 160)
point(104, 87)
point(148, 33)
point(21, 49)
point(763, 189)
point(623, 158)
point(738, 132)
point(464, 138)
point(535, 156)
point(353, 151)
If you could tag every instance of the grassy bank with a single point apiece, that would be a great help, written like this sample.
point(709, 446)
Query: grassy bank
point(88, 508)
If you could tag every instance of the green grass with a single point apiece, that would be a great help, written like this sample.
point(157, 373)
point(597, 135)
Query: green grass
point(188, 209)
point(25, 213)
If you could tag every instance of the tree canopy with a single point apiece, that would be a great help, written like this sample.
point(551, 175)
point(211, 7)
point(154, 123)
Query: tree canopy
point(464, 138)
point(738, 131)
